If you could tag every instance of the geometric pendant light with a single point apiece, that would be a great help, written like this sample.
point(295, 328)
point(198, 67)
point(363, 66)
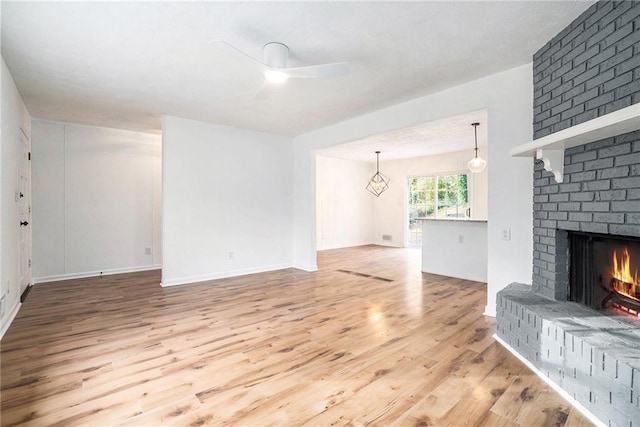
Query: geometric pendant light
point(477, 164)
point(378, 182)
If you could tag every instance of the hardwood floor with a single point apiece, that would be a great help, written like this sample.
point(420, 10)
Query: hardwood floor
point(367, 339)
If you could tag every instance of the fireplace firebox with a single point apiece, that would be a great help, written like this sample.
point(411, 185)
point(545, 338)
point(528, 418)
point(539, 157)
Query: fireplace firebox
point(604, 272)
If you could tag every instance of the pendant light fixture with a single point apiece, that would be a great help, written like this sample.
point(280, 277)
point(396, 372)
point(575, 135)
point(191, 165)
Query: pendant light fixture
point(477, 164)
point(378, 182)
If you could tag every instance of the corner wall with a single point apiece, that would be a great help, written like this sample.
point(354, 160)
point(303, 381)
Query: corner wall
point(507, 97)
point(226, 196)
point(93, 201)
point(344, 216)
point(15, 119)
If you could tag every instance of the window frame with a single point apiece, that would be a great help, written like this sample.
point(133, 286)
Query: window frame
point(436, 207)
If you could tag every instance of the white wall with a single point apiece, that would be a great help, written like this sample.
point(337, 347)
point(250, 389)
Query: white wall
point(93, 200)
point(455, 249)
point(348, 215)
point(344, 207)
point(156, 177)
point(507, 97)
point(14, 117)
point(390, 209)
point(47, 182)
point(226, 201)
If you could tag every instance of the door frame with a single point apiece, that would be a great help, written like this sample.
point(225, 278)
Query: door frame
point(23, 210)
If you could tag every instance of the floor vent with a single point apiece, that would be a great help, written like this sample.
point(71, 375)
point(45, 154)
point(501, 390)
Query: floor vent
point(355, 273)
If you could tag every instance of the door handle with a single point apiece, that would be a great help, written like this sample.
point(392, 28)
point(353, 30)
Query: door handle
point(21, 195)
point(23, 223)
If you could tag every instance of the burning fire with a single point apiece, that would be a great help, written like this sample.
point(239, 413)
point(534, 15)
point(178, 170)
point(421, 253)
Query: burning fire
point(625, 282)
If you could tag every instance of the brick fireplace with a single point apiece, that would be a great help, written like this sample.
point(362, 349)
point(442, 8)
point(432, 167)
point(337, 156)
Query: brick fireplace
point(590, 350)
point(600, 193)
point(592, 355)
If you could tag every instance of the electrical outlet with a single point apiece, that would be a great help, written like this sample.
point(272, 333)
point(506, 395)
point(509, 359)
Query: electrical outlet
point(147, 251)
point(506, 233)
point(461, 239)
point(231, 255)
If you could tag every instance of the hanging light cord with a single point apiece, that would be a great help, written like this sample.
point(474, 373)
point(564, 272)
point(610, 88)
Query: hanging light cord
point(475, 130)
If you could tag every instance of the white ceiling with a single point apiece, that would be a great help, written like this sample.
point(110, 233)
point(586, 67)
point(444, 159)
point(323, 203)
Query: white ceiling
point(436, 137)
point(125, 64)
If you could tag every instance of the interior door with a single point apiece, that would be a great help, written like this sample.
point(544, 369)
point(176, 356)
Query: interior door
point(23, 199)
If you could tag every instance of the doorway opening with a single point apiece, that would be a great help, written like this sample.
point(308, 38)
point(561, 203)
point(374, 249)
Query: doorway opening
point(427, 166)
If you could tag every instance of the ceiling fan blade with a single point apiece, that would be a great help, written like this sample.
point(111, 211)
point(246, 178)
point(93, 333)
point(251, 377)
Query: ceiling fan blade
point(264, 92)
point(245, 54)
point(326, 71)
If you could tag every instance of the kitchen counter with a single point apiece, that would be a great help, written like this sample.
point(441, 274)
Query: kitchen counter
point(453, 219)
point(455, 248)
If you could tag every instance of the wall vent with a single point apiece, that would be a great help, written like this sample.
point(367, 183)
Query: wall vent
point(387, 237)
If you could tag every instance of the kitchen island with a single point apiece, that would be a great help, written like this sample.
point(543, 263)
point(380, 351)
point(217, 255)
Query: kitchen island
point(455, 247)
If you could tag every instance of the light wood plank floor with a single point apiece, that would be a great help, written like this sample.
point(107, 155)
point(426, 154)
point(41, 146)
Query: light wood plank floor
point(367, 340)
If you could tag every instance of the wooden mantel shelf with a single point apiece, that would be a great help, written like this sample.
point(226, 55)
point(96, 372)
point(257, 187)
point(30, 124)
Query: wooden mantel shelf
point(550, 148)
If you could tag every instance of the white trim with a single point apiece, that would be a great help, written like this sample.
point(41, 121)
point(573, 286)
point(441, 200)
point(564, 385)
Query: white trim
point(24, 132)
point(309, 268)
point(621, 121)
point(213, 276)
point(386, 244)
point(9, 319)
point(355, 245)
point(97, 273)
point(64, 202)
point(550, 148)
point(64, 123)
point(490, 311)
point(553, 385)
point(553, 161)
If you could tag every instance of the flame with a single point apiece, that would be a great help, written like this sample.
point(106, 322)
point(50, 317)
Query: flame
point(622, 272)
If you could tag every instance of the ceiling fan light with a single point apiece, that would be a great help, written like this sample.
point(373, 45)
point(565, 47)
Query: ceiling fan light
point(275, 76)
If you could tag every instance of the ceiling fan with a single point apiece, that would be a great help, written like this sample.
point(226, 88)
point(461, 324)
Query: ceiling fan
point(275, 70)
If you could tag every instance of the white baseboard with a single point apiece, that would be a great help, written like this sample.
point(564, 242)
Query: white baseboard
point(469, 277)
point(213, 276)
point(344, 246)
point(388, 244)
point(7, 322)
point(59, 277)
point(553, 385)
point(490, 310)
point(306, 267)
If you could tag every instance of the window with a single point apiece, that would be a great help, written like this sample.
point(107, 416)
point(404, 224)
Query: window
point(453, 199)
point(436, 197)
